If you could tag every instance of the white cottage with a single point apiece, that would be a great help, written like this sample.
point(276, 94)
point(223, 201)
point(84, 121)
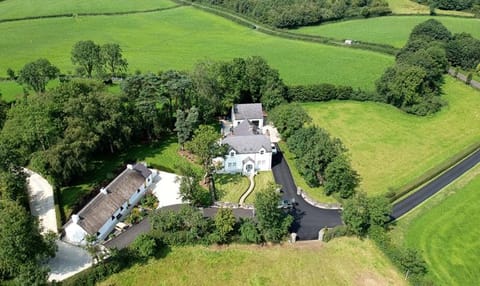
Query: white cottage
point(110, 205)
point(249, 150)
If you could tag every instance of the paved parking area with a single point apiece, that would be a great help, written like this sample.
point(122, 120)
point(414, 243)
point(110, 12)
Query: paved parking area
point(69, 261)
point(167, 189)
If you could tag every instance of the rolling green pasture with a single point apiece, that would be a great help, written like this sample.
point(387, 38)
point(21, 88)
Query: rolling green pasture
point(392, 30)
point(179, 38)
point(343, 261)
point(445, 229)
point(30, 8)
point(388, 147)
point(411, 7)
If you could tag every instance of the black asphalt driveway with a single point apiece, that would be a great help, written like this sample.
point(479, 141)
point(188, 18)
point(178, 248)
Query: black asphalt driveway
point(308, 219)
point(434, 186)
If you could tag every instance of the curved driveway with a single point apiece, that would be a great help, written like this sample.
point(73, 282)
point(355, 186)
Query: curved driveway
point(309, 219)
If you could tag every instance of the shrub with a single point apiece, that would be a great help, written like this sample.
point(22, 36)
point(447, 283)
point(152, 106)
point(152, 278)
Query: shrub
point(144, 246)
point(337, 231)
point(249, 232)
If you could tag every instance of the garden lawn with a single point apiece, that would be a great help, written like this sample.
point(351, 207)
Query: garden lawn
point(162, 155)
point(316, 193)
point(411, 7)
point(445, 229)
point(32, 8)
point(262, 181)
point(393, 30)
point(390, 148)
point(181, 37)
point(344, 261)
point(230, 187)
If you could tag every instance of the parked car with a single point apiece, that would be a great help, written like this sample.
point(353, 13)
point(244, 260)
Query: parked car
point(274, 149)
point(285, 204)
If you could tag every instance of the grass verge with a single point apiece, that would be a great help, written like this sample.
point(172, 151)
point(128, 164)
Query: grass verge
point(344, 261)
point(445, 229)
point(390, 148)
point(316, 193)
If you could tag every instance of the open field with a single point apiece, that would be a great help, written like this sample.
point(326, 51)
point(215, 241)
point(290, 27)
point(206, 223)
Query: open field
point(232, 186)
point(10, 90)
point(32, 8)
point(162, 155)
point(392, 30)
point(388, 147)
point(344, 261)
point(445, 229)
point(160, 40)
point(411, 7)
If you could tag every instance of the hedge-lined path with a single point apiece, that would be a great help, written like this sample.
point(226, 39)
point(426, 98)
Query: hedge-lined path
point(42, 203)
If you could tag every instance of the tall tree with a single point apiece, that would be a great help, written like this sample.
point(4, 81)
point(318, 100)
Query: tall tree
point(273, 223)
point(112, 57)
point(20, 242)
point(288, 118)
point(341, 178)
point(37, 74)
point(224, 224)
point(87, 55)
point(190, 189)
point(185, 125)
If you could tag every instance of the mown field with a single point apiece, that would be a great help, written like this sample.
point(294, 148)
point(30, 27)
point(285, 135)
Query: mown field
point(179, 38)
point(445, 229)
point(411, 7)
point(388, 147)
point(31, 8)
point(393, 30)
point(345, 261)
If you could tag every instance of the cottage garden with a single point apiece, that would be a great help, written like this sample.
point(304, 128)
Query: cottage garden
point(80, 129)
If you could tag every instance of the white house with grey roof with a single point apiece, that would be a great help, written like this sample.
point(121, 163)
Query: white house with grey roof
point(252, 112)
point(249, 150)
point(110, 205)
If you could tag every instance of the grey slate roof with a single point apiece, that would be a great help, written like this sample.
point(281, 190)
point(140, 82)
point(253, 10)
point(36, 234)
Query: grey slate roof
point(248, 111)
point(101, 208)
point(248, 144)
point(244, 129)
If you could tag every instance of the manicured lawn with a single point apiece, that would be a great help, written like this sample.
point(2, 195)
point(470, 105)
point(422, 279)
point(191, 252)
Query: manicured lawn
point(179, 38)
point(445, 229)
point(162, 155)
point(393, 30)
point(28, 8)
point(388, 147)
point(316, 193)
point(411, 7)
point(344, 261)
point(232, 186)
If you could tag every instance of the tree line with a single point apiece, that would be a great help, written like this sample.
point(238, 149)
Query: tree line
point(296, 13)
point(451, 4)
point(414, 83)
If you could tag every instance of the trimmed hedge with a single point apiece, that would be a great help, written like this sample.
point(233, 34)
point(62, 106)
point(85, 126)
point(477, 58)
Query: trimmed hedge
point(326, 92)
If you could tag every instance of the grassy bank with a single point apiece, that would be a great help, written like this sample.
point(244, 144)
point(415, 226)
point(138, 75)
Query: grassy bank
point(388, 147)
point(393, 30)
point(445, 230)
point(179, 38)
point(346, 261)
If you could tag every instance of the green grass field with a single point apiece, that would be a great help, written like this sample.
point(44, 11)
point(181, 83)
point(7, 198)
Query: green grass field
point(445, 229)
point(393, 30)
point(344, 261)
point(159, 41)
point(388, 147)
point(411, 7)
point(232, 186)
point(10, 90)
point(31, 8)
point(162, 155)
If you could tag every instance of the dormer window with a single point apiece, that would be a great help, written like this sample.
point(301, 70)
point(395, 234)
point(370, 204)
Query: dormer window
point(232, 153)
point(262, 152)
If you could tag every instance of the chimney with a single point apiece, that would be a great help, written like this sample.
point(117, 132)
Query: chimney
point(75, 219)
point(104, 191)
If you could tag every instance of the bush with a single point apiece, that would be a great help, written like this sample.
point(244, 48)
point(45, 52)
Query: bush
point(249, 232)
point(144, 246)
point(337, 231)
point(326, 92)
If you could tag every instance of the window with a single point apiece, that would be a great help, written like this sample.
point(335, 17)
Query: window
point(119, 216)
point(232, 153)
point(113, 217)
point(262, 152)
point(121, 208)
point(98, 233)
point(138, 190)
point(232, 165)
